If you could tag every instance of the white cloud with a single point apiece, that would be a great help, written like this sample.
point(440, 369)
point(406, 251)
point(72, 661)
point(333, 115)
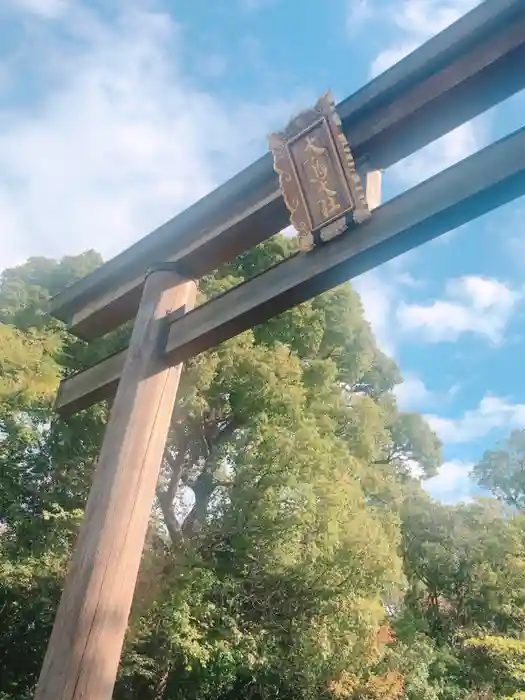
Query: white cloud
point(413, 394)
point(476, 305)
point(441, 154)
point(289, 232)
point(213, 65)
point(377, 296)
point(416, 21)
point(380, 291)
point(118, 141)
point(512, 222)
point(49, 9)
point(358, 13)
point(452, 484)
point(413, 22)
point(424, 18)
point(389, 57)
point(492, 413)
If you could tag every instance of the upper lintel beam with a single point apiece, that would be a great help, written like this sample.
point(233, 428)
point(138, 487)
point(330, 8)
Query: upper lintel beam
point(473, 187)
point(464, 70)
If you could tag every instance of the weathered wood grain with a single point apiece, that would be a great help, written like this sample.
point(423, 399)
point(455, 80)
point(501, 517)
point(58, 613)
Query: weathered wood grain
point(84, 650)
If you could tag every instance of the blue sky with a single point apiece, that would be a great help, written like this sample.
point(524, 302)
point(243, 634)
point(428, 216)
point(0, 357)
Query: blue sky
point(116, 114)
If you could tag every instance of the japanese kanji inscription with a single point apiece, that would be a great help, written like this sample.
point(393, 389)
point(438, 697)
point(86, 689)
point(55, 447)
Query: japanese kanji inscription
point(317, 174)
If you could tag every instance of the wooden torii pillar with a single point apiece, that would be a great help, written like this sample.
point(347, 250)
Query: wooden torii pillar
point(85, 646)
point(461, 72)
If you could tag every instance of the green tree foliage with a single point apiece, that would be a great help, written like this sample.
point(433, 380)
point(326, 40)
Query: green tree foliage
point(465, 566)
point(45, 466)
point(288, 526)
point(277, 436)
point(502, 471)
point(497, 665)
point(454, 558)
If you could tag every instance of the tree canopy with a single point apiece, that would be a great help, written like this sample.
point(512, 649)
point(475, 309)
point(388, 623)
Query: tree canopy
point(292, 552)
point(501, 471)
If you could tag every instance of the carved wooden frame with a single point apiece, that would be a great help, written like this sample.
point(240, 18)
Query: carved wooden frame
point(324, 115)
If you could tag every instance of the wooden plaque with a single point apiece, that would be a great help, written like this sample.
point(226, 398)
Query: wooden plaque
point(317, 174)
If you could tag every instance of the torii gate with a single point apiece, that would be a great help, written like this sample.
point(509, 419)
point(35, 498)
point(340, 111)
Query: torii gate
point(466, 69)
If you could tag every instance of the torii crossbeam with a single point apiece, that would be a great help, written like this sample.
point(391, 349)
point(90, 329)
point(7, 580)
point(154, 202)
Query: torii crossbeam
point(466, 69)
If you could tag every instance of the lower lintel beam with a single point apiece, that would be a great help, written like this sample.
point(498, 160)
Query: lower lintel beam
point(467, 190)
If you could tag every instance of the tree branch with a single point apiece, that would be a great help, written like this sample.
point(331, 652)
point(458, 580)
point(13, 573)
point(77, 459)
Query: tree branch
point(205, 484)
point(167, 497)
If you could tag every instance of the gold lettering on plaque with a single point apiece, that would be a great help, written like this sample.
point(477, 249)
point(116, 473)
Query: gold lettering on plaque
point(328, 203)
point(317, 175)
